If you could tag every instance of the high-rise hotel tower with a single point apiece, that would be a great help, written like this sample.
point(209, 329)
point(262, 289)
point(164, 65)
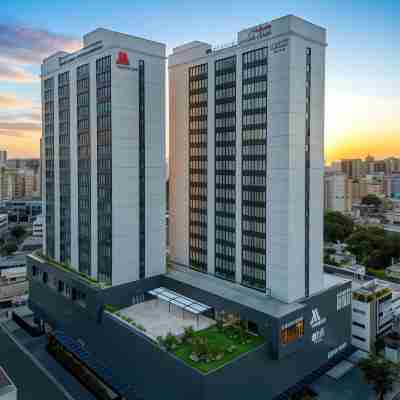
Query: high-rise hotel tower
point(246, 158)
point(104, 157)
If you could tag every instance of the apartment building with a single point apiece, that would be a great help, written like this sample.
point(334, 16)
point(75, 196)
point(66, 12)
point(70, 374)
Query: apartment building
point(353, 168)
point(337, 192)
point(104, 157)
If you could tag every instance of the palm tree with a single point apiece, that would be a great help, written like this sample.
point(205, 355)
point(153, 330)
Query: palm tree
point(380, 373)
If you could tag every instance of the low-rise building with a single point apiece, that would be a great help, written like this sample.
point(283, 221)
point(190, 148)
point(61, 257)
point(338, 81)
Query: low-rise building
point(393, 271)
point(337, 192)
point(31, 243)
point(37, 227)
point(372, 315)
point(3, 222)
point(13, 278)
point(8, 391)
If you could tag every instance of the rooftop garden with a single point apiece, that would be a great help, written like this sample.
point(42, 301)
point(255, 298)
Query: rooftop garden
point(368, 297)
point(68, 268)
point(213, 347)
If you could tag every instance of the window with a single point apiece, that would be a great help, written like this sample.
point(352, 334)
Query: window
point(343, 299)
point(359, 338)
point(45, 277)
point(358, 311)
point(359, 325)
point(292, 331)
point(34, 270)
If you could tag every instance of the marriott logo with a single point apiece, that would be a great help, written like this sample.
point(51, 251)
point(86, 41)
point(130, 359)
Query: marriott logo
point(316, 319)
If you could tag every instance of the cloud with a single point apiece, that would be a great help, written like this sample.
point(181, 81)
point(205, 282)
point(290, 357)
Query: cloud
point(16, 74)
point(19, 129)
point(26, 45)
point(10, 101)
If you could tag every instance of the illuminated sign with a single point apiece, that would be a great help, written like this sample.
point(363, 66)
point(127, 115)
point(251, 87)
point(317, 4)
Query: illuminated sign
point(318, 336)
point(122, 58)
point(316, 320)
point(259, 32)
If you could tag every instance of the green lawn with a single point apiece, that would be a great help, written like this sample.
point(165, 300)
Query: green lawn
point(217, 339)
point(379, 273)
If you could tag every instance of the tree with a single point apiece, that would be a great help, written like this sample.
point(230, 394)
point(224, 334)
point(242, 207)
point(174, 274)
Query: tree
point(380, 373)
point(9, 248)
point(373, 246)
point(18, 231)
point(371, 200)
point(337, 226)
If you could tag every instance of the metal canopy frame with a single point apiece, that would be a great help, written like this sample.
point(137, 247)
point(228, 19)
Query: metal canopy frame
point(183, 302)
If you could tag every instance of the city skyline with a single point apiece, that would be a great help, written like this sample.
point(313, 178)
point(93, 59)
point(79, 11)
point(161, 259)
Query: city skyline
point(360, 112)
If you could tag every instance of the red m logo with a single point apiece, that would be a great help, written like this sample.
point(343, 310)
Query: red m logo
point(122, 58)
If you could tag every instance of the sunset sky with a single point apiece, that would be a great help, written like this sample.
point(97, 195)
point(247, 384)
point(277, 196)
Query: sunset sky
point(363, 57)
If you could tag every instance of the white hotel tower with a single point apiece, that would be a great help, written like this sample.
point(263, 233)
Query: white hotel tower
point(246, 158)
point(104, 157)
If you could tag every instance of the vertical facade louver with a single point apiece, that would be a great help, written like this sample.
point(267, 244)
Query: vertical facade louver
point(142, 172)
point(84, 168)
point(307, 171)
point(225, 167)
point(64, 126)
point(104, 168)
point(198, 111)
point(254, 171)
point(49, 167)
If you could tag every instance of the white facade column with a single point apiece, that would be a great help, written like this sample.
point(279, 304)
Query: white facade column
point(211, 169)
point(93, 168)
point(239, 87)
point(56, 173)
point(74, 171)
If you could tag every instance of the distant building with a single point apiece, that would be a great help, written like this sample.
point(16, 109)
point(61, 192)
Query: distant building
point(353, 168)
point(8, 183)
point(337, 192)
point(393, 189)
point(13, 279)
point(358, 189)
point(393, 271)
point(3, 157)
point(8, 391)
point(3, 222)
point(31, 244)
point(37, 226)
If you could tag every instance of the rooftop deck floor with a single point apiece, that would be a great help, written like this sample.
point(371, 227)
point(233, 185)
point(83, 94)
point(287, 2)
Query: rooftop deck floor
point(159, 318)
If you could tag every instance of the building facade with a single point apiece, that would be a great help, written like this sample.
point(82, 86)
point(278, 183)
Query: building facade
point(246, 207)
point(246, 157)
point(103, 157)
point(3, 157)
point(353, 168)
point(372, 314)
point(337, 192)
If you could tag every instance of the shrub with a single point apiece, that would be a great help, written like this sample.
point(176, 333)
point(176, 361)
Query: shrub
point(188, 334)
point(201, 347)
point(170, 342)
